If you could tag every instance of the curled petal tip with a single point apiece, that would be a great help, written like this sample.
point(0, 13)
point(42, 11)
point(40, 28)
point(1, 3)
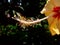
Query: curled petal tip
point(42, 12)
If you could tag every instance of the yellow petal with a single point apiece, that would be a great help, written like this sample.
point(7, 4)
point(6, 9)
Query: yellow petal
point(54, 24)
point(48, 7)
point(56, 2)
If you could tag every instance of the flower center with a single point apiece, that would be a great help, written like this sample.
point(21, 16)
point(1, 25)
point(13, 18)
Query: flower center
point(56, 10)
point(59, 11)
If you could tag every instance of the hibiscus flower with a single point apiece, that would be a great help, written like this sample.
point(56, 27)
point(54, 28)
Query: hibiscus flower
point(52, 7)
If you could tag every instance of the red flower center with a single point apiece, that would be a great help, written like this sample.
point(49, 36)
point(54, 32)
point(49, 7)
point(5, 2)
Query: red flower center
point(57, 12)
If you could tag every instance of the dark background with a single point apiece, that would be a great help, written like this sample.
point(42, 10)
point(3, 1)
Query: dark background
point(12, 34)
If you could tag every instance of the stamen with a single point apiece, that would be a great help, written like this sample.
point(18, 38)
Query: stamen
point(28, 23)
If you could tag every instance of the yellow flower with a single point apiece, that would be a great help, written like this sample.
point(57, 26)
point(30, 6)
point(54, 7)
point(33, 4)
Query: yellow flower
point(52, 7)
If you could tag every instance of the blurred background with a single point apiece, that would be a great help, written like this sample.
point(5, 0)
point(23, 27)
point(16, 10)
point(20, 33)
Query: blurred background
point(13, 34)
